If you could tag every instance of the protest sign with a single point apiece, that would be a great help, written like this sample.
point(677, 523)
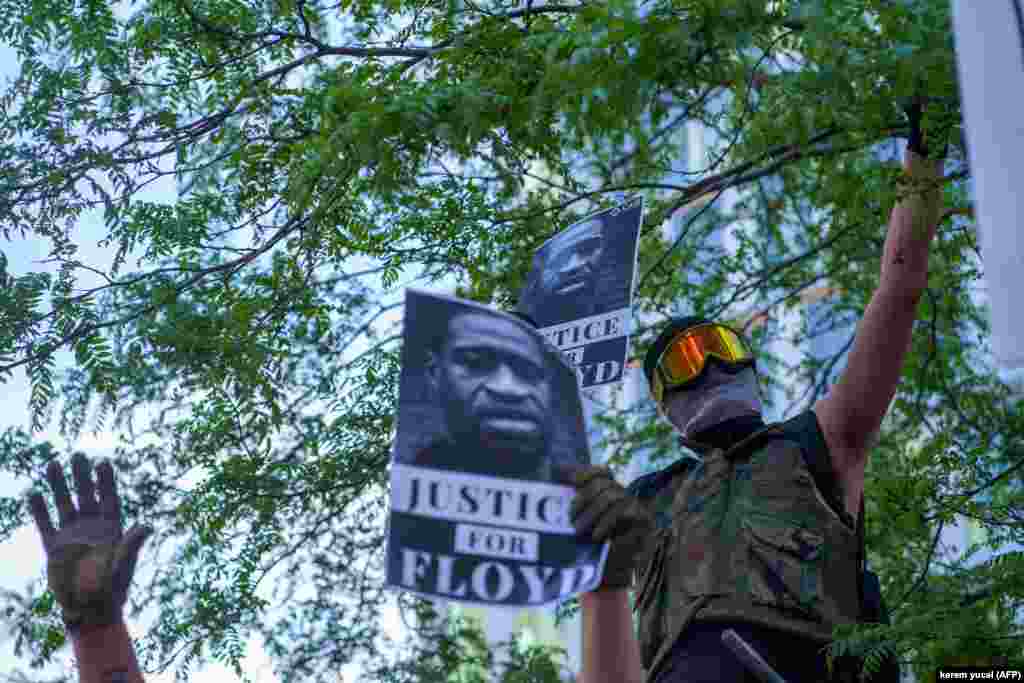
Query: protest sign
point(990, 58)
point(488, 413)
point(579, 291)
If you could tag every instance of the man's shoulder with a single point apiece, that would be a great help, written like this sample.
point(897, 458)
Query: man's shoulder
point(805, 431)
point(802, 429)
point(657, 489)
point(649, 485)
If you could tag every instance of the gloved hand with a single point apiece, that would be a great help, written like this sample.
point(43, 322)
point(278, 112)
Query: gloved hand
point(89, 562)
point(605, 511)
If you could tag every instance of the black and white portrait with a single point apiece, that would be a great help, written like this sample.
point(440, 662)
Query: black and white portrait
point(494, 388)
point(487, 395)
point(584, 270)
point(488, 411)
point(579, 291)
point(566, 273)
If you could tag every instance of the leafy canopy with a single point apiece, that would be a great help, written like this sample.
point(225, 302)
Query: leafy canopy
point(241, 336)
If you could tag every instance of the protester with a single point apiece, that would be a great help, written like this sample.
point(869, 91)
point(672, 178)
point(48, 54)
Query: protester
point(762, 532)
point(89, 567)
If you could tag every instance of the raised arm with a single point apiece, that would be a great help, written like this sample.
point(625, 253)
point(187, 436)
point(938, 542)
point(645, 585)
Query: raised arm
point(852, 412)
point(105, 654)
point(89, 567)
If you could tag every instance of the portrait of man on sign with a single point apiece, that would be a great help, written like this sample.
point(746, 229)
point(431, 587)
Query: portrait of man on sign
point(493, 381)
point(564, 279)
point(489, 417)
point(579, 291)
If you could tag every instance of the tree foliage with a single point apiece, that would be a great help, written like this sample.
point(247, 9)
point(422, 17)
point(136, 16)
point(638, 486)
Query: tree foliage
point(322, 155)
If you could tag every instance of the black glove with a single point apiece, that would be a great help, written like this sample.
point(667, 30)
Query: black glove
point(605, 511)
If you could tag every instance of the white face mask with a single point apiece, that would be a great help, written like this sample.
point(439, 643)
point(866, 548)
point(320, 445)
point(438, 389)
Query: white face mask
point(721, 397)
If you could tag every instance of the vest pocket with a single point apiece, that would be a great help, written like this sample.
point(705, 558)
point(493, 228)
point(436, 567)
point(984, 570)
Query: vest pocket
point(785, 568)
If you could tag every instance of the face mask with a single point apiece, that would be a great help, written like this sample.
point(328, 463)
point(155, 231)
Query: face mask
point(720, 397)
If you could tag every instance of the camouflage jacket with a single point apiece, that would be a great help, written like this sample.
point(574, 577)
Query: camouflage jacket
point(754, 534)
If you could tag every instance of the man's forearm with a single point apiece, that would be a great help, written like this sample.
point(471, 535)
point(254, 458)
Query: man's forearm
point(912, 226)
point(105, 654)
point(611, 653)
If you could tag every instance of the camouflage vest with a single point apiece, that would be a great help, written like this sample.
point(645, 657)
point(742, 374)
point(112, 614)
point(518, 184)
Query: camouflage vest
point(745, 535)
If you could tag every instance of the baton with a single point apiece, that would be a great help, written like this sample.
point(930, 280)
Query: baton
point(748, 655)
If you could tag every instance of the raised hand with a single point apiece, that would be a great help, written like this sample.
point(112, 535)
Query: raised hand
point(90, 561)
point(605, 511)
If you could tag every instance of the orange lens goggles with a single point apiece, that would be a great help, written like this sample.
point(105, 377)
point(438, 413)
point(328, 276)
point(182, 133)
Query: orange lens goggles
point(685, 357)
